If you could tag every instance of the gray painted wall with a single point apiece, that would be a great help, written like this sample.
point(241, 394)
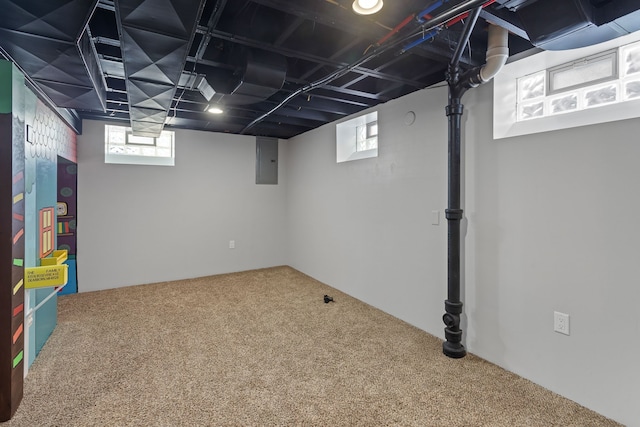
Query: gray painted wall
point(144, 224)
point(549, 226)
point(365, 226)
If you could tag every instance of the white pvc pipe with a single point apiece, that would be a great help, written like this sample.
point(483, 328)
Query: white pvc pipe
point(497, 52)
point(44, 301)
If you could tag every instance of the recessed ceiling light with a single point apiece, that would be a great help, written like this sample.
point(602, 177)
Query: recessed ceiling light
point(216, 110)
point(367, 7)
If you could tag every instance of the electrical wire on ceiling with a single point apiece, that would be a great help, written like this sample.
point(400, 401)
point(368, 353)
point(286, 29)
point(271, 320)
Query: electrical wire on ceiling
point(213, 20)
point(456, 13)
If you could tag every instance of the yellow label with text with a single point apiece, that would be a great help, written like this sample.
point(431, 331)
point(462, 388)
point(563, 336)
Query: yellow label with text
point(46, 276)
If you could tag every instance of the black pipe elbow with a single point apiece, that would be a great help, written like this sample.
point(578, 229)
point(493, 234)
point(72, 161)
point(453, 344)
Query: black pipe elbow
point(451, 320)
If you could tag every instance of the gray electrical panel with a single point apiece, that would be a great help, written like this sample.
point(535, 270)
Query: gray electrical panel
point(266, 160)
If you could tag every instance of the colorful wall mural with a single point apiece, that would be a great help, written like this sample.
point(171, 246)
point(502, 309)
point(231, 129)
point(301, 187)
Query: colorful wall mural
point(12, 242)
point(32, 137)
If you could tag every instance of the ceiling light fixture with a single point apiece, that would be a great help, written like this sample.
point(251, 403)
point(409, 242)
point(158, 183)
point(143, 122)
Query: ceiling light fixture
point(367, 7)
point(215, 110)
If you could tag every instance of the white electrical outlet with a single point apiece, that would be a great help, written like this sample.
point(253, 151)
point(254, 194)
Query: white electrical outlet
point(561, 322)
point(232, 244)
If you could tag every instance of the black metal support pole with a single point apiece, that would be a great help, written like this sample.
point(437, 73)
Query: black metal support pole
point(453, 347)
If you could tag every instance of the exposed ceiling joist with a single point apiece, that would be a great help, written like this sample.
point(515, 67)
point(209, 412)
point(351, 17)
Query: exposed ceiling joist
point(309, 51)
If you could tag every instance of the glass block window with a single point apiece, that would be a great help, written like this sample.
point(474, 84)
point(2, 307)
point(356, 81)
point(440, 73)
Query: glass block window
point(531, 110)
point(531, 91)
point(367, 136)
point(564, 103)
point(532, 86)
point(630, 70)
point(602, 79)
point(630, 59)
point(601, 95)
point(632, 89)
point(123, 147)
point(357, 138)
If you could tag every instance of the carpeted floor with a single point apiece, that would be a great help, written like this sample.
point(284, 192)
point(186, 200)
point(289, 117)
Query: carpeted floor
point(261, 348)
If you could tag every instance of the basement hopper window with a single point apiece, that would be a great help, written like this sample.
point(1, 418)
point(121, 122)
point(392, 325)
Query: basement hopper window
point(357, 138)
point(123, 147)
point(595, 84)
point(569, 87)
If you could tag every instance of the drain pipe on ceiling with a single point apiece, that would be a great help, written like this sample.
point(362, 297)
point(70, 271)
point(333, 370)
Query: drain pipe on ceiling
point(459, 83)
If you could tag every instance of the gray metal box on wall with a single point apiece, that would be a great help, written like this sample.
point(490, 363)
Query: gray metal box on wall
point(266, 160)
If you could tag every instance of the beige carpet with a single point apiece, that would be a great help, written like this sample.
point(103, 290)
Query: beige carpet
point(261, 348)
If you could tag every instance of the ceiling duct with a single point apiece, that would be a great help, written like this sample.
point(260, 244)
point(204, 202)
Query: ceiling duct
point(189, 81)
point(259, 74)
point(570, 24)
point(155, 36)
point(50, 42)
point(196, 82)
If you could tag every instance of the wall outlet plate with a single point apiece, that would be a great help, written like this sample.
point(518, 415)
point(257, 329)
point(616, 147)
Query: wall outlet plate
point(561, 322)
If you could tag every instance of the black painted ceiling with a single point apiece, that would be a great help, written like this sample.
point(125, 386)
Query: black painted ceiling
point(277, 67)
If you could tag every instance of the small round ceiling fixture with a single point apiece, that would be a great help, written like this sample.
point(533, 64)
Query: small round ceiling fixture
point(367, 7)
point(215, 110)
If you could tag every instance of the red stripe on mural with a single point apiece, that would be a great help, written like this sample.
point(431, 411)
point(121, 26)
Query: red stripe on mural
point(18, 333)
point(18, 310)
point(18, 217)
point(18, 177)
point(18, 236)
